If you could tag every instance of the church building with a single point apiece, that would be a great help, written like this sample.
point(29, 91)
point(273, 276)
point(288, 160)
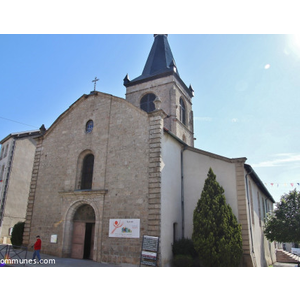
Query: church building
point(111, 175)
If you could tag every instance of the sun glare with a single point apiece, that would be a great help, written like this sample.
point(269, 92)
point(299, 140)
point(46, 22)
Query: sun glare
point(297, 40)
point(293, 45)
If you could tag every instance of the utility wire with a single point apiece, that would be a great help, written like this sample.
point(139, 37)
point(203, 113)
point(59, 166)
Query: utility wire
point(36, 127)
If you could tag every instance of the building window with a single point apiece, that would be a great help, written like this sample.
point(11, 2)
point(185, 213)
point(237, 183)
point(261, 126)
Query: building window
point(1, 173)
point(87, 172)
point(182, 112)
point(267, 206)
point(147, 103)
point(259, 209)
point(89, 126)
point(6, 149)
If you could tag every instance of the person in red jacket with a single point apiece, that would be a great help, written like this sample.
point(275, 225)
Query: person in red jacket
point(37, 247)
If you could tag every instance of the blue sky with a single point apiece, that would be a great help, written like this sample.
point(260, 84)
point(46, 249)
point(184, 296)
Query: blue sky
point(247, 88)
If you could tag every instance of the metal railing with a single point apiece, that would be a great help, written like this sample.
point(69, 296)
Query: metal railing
point(13, 255)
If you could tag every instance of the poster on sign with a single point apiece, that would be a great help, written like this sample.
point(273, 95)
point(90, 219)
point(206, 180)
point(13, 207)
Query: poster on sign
point(124, 228)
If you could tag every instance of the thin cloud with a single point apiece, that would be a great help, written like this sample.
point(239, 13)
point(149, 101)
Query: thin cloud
point(281, 159)
point(209, 119)
point(203, 119)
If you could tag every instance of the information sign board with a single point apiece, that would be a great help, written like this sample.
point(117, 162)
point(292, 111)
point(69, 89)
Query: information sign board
point(124, 228)
point(149, 250)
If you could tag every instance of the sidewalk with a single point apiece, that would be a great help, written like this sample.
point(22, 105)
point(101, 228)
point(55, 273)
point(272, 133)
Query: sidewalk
point(53, 261)
point(280, 264)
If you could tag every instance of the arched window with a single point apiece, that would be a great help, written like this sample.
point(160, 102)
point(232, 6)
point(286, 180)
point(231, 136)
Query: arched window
point(87, 172)
point(182, 112)
point(89, 126)
point(147, 103)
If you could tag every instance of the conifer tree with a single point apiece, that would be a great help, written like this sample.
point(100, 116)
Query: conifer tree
point(217, 235)
point(17, 234)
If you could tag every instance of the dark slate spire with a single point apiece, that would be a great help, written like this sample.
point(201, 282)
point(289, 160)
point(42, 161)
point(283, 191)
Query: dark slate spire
point(160, 59)
point(160, 63)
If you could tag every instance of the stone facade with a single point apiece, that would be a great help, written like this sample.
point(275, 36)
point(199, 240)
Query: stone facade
point(125, 142)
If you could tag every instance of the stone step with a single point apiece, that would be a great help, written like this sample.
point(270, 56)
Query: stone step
point(286, 257)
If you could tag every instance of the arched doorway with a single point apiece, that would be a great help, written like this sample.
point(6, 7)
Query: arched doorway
point(83, 232)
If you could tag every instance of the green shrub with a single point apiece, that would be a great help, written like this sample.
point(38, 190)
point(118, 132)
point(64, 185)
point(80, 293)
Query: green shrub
point(184, 247)
point(181, 260)
point(17, 234)
point(184, 254)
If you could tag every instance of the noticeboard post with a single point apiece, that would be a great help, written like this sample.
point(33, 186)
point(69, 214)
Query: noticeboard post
point(149, 252)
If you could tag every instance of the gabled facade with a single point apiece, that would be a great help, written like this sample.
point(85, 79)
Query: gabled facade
point(110, 171)
point(94, 166)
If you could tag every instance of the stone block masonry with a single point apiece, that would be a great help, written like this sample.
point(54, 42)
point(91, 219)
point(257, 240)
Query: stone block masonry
point(243, 213)
point(154, 185)
point(286, 257)
point(126, 144)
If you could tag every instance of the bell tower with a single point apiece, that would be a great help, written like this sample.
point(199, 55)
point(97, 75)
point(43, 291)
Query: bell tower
point(160, 79)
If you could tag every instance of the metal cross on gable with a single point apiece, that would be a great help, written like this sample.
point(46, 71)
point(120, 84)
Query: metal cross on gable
point(95, 81)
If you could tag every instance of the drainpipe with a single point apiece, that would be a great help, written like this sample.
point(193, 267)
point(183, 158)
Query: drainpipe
point(249, 211)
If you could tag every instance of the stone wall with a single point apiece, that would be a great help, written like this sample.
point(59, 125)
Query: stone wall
point(125, 143)
point(169, 91)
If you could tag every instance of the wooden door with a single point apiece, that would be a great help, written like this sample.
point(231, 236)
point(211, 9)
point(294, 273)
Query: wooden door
point(78, 240)
point(92, 241)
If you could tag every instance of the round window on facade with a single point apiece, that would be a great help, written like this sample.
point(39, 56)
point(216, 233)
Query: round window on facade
point(147, 103)
point(89, 126)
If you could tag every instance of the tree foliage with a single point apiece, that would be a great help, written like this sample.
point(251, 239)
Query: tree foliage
point(184, 247)
point(216, 234)
point(17, 234)
point(283, 224)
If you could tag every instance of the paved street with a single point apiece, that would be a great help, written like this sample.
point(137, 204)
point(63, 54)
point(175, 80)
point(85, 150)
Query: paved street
point(53, 261)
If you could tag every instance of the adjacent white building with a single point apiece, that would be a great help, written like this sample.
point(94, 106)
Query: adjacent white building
point(16, 162)
point(184, 172)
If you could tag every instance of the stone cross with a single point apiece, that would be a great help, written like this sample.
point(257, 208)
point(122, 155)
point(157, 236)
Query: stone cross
point(95, 81)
